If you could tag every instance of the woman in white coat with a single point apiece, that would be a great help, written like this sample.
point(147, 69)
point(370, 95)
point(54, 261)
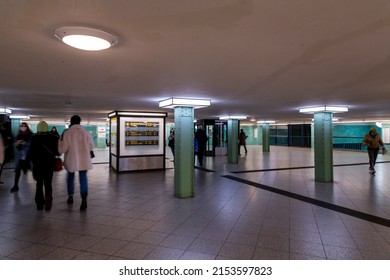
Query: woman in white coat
point(76, 144)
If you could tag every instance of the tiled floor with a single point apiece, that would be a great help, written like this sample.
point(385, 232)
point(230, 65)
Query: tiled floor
point(267, 206)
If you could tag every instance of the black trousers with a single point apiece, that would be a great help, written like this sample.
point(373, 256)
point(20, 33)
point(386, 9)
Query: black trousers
point(44, 179)
point(22, 165)
point(200, 157)
point(372, 155)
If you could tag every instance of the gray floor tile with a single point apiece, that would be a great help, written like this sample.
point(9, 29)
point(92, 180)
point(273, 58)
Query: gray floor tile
point(237, 251)
point(270, 254)
point(107, 246)
point(177, 241)
point(188, 255)
point(206, 246)
point(134, 251)
point(164, 253)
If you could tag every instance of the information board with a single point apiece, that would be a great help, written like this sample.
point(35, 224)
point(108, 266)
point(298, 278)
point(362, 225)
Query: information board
point(141, 133)
point(140, 136)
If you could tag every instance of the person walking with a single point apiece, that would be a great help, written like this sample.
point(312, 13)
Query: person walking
point(373, 140)
point(43, 151)
point(171, 142)
point(76, 144)
point(2, 152)
point(201, 137)
point(22, 162)
point(6, 152)
point(54, 132)
point(242, 141)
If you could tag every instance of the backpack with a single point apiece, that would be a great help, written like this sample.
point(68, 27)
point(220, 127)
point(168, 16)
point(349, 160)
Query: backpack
point(171, 143)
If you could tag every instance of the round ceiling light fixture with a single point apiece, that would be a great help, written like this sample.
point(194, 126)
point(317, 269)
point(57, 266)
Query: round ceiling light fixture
point(85, 38)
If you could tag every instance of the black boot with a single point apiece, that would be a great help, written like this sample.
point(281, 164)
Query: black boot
point(14, 188)
point(83, 205)
point(70, 199)
point(48, 203)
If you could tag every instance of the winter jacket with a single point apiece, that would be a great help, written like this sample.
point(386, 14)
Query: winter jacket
point(373, 141)
point(22, 146)
point(76, 143)
point(43, 150)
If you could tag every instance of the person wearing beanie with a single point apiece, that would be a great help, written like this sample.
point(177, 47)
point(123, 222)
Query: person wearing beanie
point(373, 140)
point(76, 144)
point(43, 151)
point(42, 127)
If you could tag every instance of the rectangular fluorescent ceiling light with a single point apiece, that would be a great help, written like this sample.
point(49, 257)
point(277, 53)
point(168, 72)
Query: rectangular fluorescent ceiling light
point(142, 114)
point(265, 122)
point(336, 109)
point(184, 102)
point(5, 110)
point(24, 117)
point(331, 109)
point(232, 118)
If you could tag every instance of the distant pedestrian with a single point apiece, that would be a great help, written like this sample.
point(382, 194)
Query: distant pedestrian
point(373, 140)
point(171, 142)
point(76, 144)
point(6, 150)
point(43, 151)
point(22, 145)
point(242, 141)
point(54, 132)
point(201, 137)
point(2, 152)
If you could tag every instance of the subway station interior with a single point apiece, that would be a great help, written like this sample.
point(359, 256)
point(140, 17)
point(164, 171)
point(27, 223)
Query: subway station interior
point(304, 80)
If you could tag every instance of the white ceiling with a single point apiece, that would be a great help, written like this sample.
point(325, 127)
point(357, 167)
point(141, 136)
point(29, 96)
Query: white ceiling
point(261, 58)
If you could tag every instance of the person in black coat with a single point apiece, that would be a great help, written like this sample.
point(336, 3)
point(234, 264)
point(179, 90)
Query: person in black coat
point(22, 160)
point(242, 141)
point(54, 132)
point(201, 137)
point(43, 151)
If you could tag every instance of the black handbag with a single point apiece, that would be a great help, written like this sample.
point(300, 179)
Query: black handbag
point(92, 154)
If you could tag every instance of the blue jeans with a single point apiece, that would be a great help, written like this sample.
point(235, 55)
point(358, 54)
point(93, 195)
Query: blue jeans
point(83, 182)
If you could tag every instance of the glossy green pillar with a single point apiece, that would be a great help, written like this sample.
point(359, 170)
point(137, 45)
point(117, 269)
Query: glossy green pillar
point(184, 152)
point(15, 124)
point(232, 141)
point(266, 135)
point(323, 147)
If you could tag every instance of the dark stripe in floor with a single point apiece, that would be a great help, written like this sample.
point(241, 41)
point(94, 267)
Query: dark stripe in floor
point(204, 169)
point(301, 167)
point(334, 207)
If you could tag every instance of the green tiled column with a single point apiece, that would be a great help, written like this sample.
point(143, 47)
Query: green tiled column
point(323, 148)
point(233, 141)
point(184, 152)
point(15, 123)
point(266, 135)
